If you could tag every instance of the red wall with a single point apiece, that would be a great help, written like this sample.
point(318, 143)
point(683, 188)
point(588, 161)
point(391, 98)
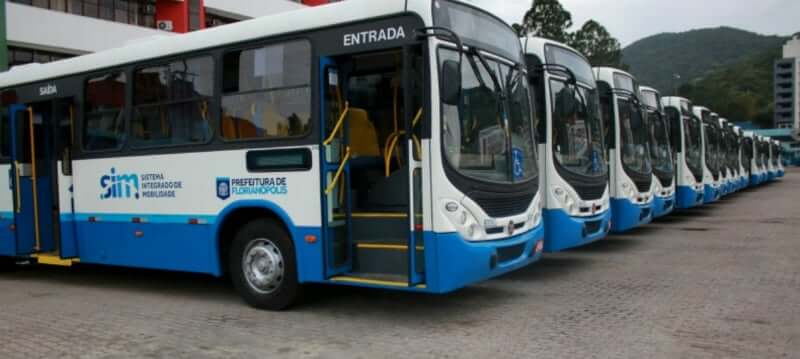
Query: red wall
point(178, 12)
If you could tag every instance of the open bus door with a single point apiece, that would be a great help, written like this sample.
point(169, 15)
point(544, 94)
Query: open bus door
point(41, 168)
point(371, 156)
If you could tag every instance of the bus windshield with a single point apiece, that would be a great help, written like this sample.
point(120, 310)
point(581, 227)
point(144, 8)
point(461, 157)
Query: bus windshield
point(650, 100)
point(478, 28)
point(577, 129)
point(712, 149)
point(694, 141)
point(576, 63)
point(659, 143)
point(489, 136)
point(633, 134)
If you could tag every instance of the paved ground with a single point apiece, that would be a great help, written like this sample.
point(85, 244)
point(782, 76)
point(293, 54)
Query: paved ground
point(719, 282)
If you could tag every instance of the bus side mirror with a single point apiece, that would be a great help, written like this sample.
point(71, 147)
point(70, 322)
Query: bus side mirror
point(566, 103)
point(451, 83)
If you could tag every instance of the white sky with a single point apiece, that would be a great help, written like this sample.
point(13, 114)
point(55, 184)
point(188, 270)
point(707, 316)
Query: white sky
point(631, 20)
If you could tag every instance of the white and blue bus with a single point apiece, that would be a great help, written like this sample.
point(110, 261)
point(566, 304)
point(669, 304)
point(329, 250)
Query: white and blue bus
point(572, 159)
point(774, 161)
point(779, 170)
point(726, 156)
point(753, 147)
point(661, 152)
point(711, 172)
point(687, 143)
point(742, 159)
point(373, 143)
point(630, 170)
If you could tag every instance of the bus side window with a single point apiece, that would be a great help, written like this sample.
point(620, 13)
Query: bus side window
point(266, 92)
point(172, 103)
point(104, 120)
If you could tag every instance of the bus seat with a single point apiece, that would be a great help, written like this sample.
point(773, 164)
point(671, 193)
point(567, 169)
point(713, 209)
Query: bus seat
point(228, 127)
point(363, 136)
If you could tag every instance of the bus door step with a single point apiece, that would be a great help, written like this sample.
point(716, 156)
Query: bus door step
point(54, 259)
point(382, 280)
point(385, 258)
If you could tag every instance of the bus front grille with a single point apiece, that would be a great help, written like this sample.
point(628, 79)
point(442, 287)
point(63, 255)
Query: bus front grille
point(498, 205)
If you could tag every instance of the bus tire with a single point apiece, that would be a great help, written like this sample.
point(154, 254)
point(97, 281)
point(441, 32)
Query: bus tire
point(263, 267)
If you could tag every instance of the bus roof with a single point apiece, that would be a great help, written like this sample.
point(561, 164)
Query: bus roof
point(253, 29)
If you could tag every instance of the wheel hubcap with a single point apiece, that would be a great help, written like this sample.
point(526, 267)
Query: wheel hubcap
point(263, 265)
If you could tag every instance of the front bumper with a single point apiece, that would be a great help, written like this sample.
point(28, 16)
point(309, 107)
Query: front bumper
point(687, 197)
point(563, 231)
point(625, 215)
point(663, 206)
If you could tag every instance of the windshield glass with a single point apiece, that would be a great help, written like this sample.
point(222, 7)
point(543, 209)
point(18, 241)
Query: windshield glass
point(659, 143)
point(723, 145)
point(577, 129)
point(774, 155)
point(712, 148)
point(634, 135)
point(479, 141)
point(478, 28)
point(650, 99)
point(574, 62)
point(693, 139)
point(686, 108)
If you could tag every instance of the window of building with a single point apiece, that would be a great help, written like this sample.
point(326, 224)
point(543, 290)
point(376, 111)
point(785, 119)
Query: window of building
point(216, 20)
point(194, 15)
point(134, 12)
point(20, 56)
point(172, 103)
point(104, 120)
point(266, 92)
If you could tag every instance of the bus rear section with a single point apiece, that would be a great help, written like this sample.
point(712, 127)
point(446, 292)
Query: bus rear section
point(571, 145)
point(328, 156)
point(630, 167)
point(661, 153)
point(686, 139)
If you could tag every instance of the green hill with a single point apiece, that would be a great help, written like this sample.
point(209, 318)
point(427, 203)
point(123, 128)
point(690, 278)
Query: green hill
point(738, 92)
point(692, 54)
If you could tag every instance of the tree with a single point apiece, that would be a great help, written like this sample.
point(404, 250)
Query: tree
point(597, 44)
point(548, 19)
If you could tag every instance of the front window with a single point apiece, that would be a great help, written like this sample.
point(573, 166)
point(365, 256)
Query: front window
point(694, 153)
point(659, 144)
point(478, 28)
point(712, 148)
point(577, 129)
point(489, 135)
point(633, 133)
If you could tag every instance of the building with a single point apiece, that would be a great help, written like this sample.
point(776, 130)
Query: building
point(48, 30)
point(787, 87)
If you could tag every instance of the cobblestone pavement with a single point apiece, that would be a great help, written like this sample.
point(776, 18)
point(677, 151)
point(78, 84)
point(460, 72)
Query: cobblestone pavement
point(722, 281)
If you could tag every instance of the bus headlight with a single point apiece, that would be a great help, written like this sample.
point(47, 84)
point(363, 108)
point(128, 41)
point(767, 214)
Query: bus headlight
point(465, 223)
point(567, 201)
point(627, 189)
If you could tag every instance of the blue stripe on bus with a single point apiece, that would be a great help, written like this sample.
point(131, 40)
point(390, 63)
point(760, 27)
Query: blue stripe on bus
point(147, 218)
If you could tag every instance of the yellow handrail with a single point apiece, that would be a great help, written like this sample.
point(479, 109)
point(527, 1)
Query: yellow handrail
point(391, 144)
point(339, 124)
point(18, 168)
point(338, 174)
point(33, 179)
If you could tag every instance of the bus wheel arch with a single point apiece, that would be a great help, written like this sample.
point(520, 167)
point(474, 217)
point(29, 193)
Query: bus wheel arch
point(234, 219)
point(257, 251)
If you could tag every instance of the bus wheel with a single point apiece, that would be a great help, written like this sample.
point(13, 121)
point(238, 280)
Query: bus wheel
point(263, 267)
